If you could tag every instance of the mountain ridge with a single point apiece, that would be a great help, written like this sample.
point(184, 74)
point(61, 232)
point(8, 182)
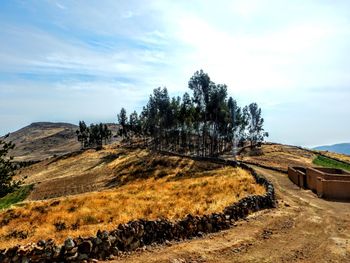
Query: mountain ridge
point(343, 148)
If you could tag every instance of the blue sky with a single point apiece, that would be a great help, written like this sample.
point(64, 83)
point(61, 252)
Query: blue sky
point(83, 60)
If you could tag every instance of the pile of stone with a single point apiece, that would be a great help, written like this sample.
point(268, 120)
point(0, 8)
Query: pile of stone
point(140, 233)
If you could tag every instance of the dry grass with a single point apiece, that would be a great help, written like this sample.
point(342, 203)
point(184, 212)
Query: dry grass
point(172, 196)
point(98, 170)
point(279, 156)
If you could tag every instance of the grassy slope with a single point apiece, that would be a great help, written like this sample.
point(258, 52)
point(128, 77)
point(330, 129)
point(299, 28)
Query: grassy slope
point(15, 197)
point(278, 156)
point(327, 162)
point(138, 184)
point(342, 157)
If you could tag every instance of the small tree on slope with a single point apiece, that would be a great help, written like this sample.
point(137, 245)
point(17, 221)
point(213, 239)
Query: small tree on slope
point(6, 169)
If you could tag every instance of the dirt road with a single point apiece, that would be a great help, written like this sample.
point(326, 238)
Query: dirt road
point(303, 228)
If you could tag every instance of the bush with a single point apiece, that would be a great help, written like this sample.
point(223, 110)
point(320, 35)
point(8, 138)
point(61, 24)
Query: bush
point(15, 197)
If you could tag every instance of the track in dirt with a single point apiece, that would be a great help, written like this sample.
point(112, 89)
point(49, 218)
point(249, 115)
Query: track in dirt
point(303, 228)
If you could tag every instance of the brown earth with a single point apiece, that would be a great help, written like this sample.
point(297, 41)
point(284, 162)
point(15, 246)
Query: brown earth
point(278, 156)
point(41, 140)
point(303, 228)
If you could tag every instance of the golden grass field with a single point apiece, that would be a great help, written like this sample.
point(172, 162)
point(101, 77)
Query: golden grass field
point(278, 156)
point(131, 184)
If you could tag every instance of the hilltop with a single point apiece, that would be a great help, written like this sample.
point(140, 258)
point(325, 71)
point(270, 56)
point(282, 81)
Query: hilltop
point(41, 140)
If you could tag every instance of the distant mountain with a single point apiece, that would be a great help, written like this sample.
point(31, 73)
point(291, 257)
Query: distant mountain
point(41, 140)
point(343, 148)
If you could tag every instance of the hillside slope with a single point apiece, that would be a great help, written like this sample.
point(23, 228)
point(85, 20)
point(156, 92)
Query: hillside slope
point(117, 184)
point(278, 156)
point(100, 189)
point(41, 140)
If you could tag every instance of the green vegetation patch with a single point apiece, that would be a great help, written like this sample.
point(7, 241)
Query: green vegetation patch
point(17, 196)
point(330, 163)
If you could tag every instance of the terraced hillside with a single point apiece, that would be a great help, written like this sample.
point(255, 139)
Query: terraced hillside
point(99, 189)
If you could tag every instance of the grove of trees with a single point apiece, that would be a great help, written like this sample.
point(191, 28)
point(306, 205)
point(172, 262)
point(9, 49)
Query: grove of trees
point(205, 123)
point(94, 135)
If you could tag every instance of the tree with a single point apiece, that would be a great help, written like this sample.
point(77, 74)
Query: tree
point(93, 136)
point(123, 120)
point(83, 134)
point(134, 123)
point(206, 123)
point(7, 168)
point(201, 86)
point(256, 132)
point(236, 124)
point(106, 133)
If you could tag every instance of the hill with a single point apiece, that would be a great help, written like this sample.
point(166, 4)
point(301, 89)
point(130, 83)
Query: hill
point(343, 148)
point(278, 156)
point(41, 140)
point(100, 189)
point(81, 192)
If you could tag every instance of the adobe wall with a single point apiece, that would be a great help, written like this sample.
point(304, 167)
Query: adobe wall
point(311, 178)
point(334, 171)
point(334, 189)
point(326, 182)
point(297, 176)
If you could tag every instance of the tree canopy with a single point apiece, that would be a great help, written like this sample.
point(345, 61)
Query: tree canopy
point(206, 123)
point(93, 136)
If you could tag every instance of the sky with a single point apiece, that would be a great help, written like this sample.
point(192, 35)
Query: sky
point(83, 60)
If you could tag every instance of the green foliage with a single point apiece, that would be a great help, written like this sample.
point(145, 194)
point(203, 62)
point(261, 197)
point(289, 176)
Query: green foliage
point(206, 123)
point(123, 122)
point(17, 196)
point(93, 136)
point(255, 123)
point(330, 163)
point(7, 168)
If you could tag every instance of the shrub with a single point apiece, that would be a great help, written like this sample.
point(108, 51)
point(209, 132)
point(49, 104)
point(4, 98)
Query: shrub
point(7, 168)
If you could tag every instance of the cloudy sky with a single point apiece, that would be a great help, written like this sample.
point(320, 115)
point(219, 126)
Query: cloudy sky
point(83, 60)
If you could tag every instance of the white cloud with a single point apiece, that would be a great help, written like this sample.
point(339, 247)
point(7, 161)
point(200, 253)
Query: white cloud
point(273, 52)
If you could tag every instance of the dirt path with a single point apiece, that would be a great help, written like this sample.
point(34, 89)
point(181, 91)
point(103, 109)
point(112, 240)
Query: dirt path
point(303, 228)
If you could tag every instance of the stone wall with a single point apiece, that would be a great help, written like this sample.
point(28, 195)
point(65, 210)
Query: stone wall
point(139, 233)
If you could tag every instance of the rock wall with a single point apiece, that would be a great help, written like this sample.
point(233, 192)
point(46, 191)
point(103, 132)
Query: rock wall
point(139, 233)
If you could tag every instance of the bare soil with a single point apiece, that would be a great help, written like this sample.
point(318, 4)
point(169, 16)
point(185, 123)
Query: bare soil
point(303, 228)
